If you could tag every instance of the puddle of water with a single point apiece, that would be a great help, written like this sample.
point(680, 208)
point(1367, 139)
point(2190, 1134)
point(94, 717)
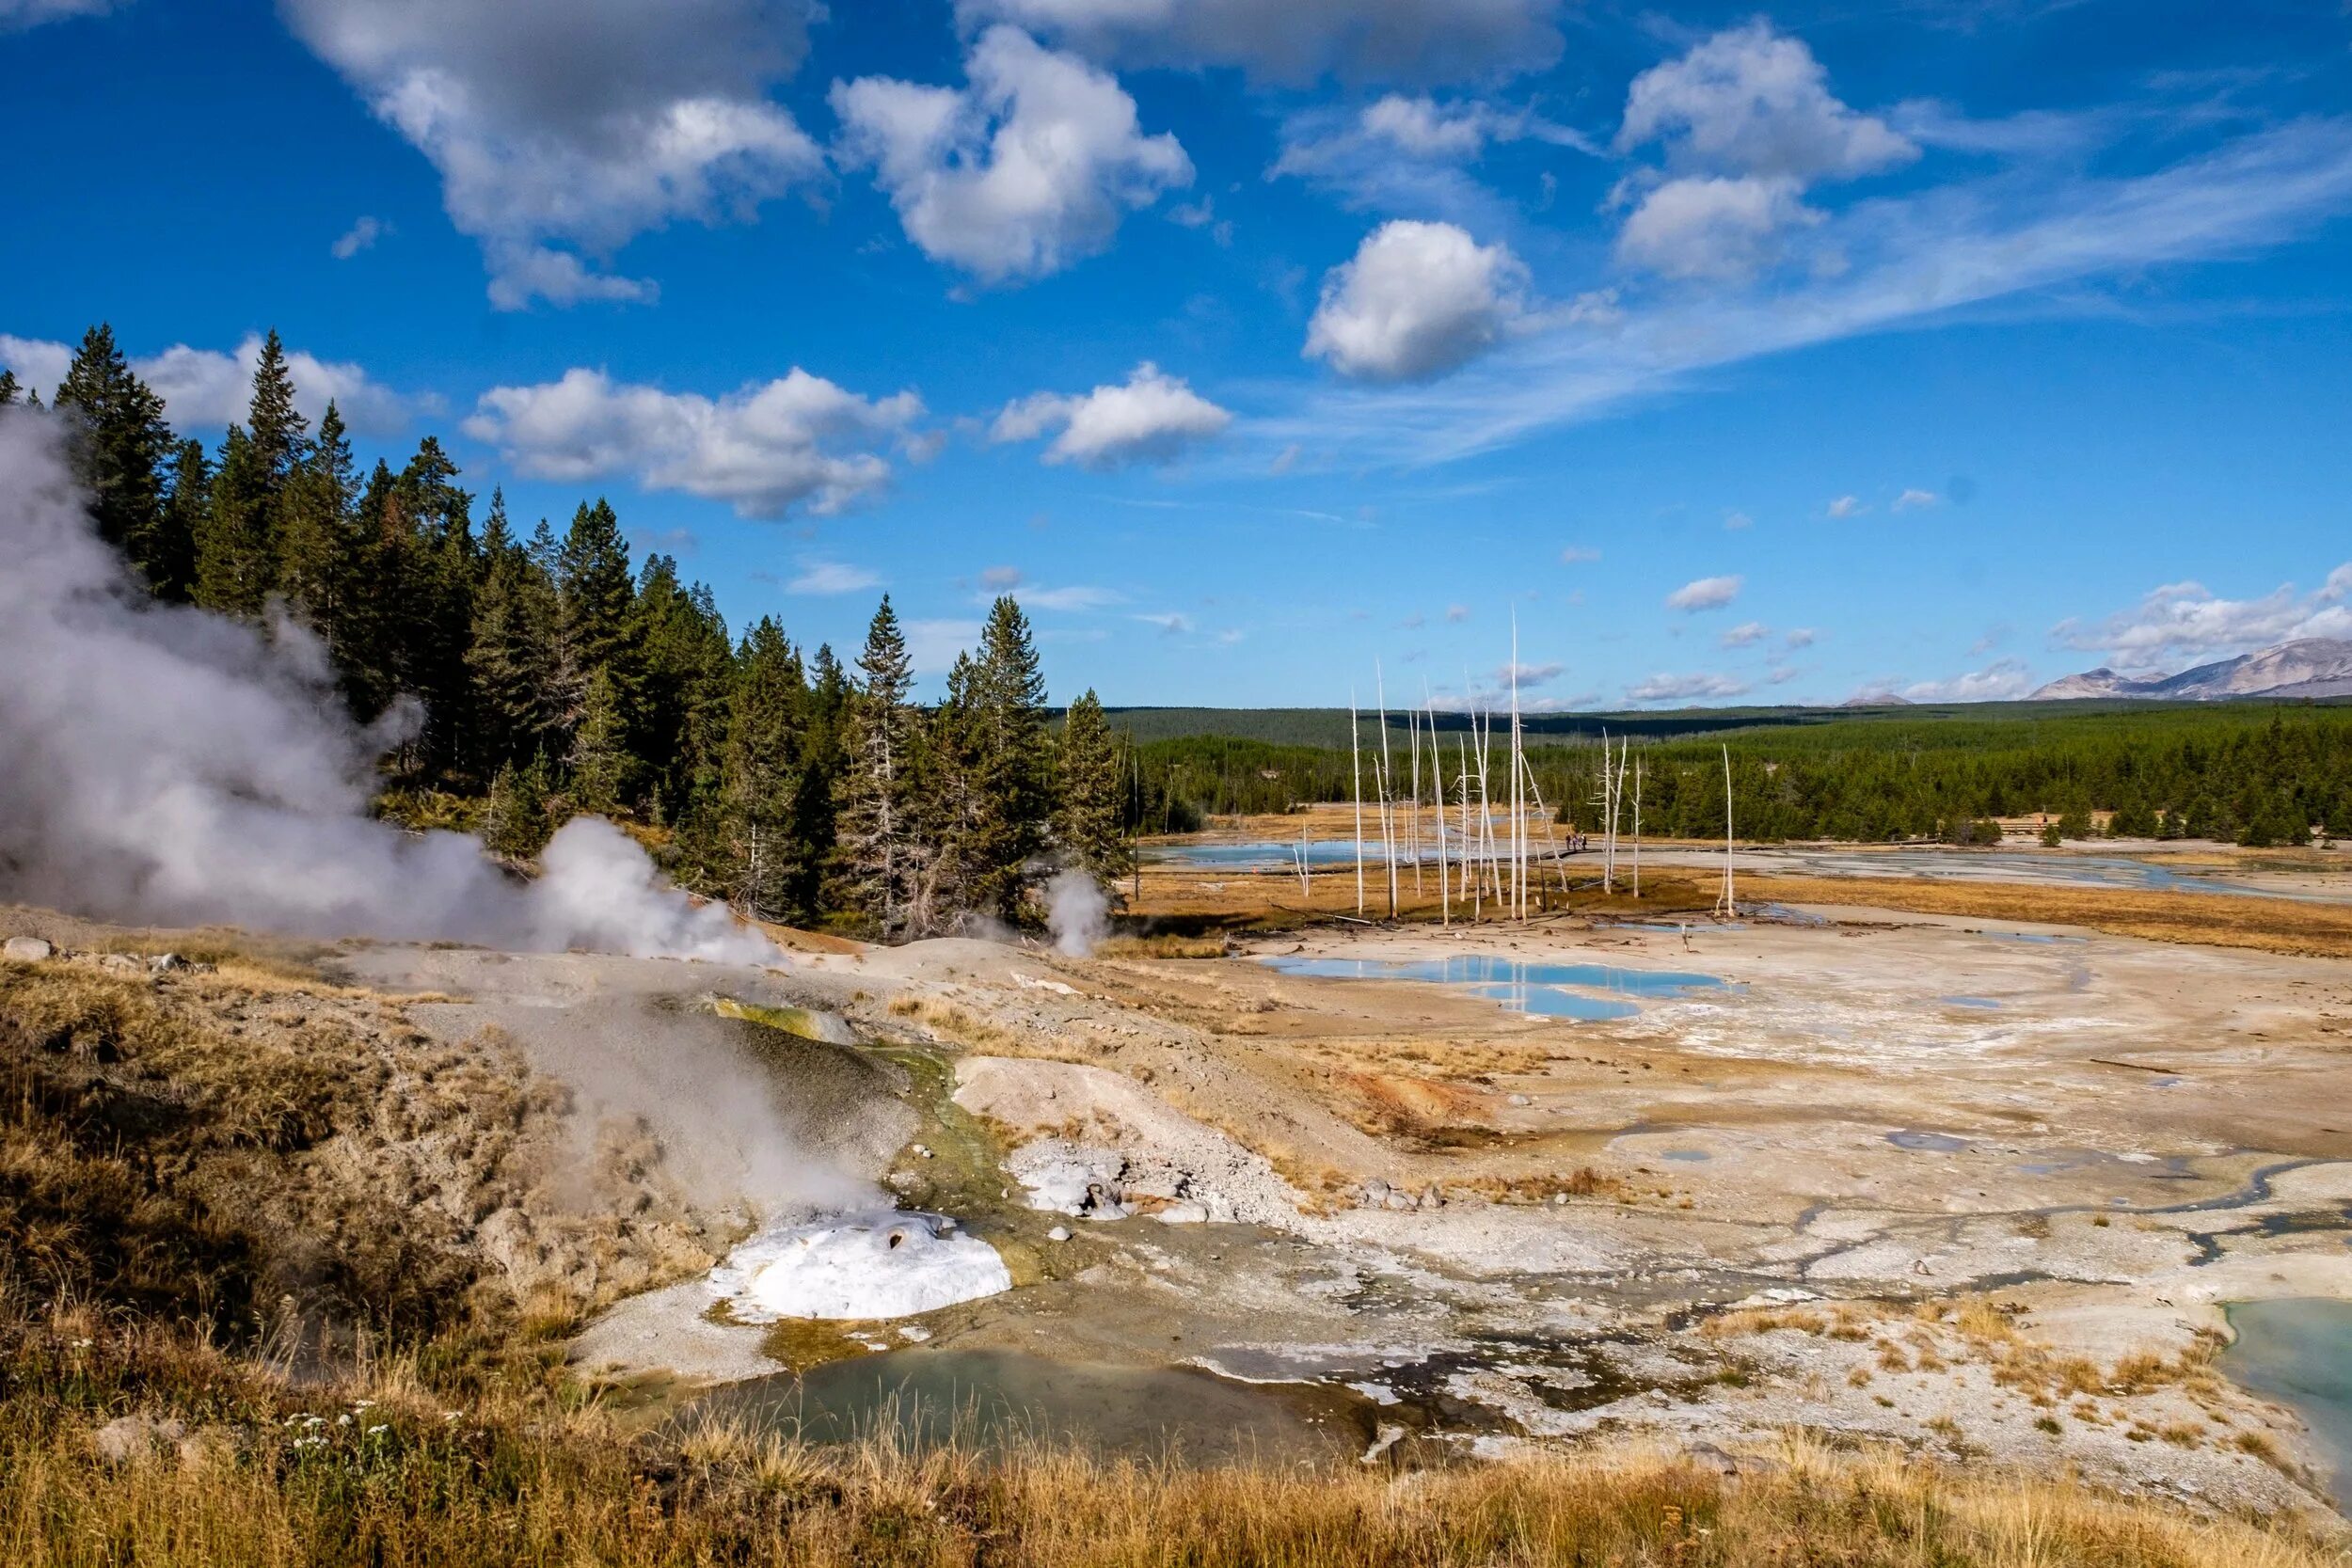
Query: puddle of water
point(1686, 1154)
point(1928, 1143)
point(1552, 1002)
point(1001, 1400)
point(1985, 1003)
point(2299, 1352)
point(1544, 990)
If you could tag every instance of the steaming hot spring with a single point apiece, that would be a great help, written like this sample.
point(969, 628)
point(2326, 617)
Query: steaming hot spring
point(884, 1264)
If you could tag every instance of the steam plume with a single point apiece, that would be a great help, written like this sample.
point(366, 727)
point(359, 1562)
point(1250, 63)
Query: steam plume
point(167, 765)
point(1076, 913)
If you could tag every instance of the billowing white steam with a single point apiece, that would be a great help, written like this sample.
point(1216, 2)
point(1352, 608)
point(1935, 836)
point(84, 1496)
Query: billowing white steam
point(164, 764)
point(1076, 912)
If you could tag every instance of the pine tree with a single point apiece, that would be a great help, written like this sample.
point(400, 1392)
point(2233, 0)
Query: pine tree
point(765, 766)
point(8, 387)
point(875, 842)
point(171, 566)
point(1013, 780)
point(1087, 820)
point(599, 759)
point(514, 819)
point(278, 433)
point(512, 649)
point(121, 448)
point(233, 551)
point(319, 560)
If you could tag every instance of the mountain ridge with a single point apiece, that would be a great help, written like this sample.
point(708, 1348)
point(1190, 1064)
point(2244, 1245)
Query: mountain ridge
point(2302, 667)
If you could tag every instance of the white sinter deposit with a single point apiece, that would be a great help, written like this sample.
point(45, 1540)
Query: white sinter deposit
point(886, 1264)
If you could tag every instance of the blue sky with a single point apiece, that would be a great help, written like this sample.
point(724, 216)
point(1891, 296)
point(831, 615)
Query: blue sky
point(1940, 347)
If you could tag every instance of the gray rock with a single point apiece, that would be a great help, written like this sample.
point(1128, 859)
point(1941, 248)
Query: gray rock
point(30, 950)
point(164, 963)
point(1184, 1214)
point(1059, 1233)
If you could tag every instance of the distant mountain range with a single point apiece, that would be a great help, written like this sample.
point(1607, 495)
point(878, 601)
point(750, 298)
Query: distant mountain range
point(2308, 667)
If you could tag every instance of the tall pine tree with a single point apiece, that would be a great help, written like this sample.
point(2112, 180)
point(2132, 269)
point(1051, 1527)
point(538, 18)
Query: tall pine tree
point(1013, 780)
point(121, 448)
point(1086, 819)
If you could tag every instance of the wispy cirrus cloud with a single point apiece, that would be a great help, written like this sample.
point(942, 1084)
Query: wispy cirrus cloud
point(1903, 261)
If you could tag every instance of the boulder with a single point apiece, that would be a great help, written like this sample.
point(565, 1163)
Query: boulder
point(28, 950)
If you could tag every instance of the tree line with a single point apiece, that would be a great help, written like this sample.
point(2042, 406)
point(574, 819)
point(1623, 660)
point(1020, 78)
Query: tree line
point(2253, 773)
point(525, 677)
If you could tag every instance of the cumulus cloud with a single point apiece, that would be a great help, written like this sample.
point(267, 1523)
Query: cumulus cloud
point(1529, 675)
point(1745, 633)
point(1359, 40)
point(1713, 226)
point(2000, 681)
point(1802, 637)
point(562, 130)
point(205, 388)
point(1418, 300)
point(2187, 618)
point(16, 14)
point(1685, 688)
point(360, 236)
point(832, 577)
point(1409, 154)
point(1024, 172)
point(1752, 101)
point(1151, 418)
point(765, 449)
point(1746, 122)
point(1846, 506)
point(1704, 593)
point(1910, 500)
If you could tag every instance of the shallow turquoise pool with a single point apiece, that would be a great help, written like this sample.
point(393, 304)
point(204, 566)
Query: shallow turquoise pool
point(2299, 1351)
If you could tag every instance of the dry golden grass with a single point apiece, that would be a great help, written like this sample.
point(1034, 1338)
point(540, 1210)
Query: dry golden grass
point(1166, 945)
point(512, 1481)
point(2207, 919)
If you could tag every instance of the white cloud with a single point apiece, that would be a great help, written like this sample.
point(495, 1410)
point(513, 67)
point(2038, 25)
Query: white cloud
point(1802, 637)
point(832, 577)
point(360, 236)
point(2185, 618)
point(1409, 154)
point(1751, 100)
point(1151, 418)
point(1001, 580)
point(1704, 593)
point(1171, 623)
point(1912, 500)
point(2003, 680)
point(932, 645)
point(1846, 506)
point(1457, 613)
point(37, 363)
point(1747, 121)
point(15, 14)
point(562, 130)
point(1297, 41)
point(205, 388)
point(1745, 633)
point(1577, 554)
point(1529, 675)
point(1684, 689)
point(1019, 175)
point(765, 448)
point(1713, 226)
point(1737, 520)
point(1418, 300)
point(1910, 260)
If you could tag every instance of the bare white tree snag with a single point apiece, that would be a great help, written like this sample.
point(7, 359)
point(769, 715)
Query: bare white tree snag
point(1388, 813)
point(1412, 818)
point(1355, 767)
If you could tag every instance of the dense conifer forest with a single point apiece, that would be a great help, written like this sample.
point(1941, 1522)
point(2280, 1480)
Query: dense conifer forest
point(520, 675)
